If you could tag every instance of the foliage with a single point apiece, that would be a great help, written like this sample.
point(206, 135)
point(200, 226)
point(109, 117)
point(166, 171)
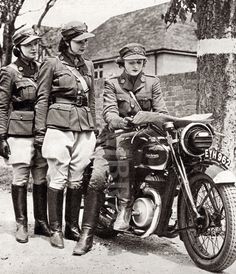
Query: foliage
point(9, 10)
point(49, 5)
point(5, 177)
point(179, 9)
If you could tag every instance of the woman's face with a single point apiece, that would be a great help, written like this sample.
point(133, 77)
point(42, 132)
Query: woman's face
point(78, 47)
point(133, 67)
point(30, 50)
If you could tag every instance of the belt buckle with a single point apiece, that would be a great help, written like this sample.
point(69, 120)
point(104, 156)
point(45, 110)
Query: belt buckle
point(79, 101)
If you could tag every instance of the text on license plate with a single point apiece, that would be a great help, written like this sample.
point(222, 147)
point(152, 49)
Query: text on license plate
point(218, 157)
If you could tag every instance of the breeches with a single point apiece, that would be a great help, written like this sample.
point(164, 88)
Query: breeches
point(67, 153)
point(38, 168)
point(114, 161)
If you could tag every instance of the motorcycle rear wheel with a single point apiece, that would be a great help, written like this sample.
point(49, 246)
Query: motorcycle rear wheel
point(211, 243)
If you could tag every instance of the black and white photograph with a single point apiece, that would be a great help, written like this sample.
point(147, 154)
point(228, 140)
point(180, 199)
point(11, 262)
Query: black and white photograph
point(117, 136)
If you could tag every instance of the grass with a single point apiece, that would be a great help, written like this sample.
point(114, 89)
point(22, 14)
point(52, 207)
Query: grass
point(5, 177)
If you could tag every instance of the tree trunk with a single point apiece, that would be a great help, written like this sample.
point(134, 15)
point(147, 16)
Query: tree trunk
point(9, 29)
point(216, 69)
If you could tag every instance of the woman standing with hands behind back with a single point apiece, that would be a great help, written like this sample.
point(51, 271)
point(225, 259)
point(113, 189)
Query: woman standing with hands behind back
point(18, 93)
point(64, 127)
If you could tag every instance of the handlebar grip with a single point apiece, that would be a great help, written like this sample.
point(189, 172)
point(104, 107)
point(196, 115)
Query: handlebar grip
point(119, 131)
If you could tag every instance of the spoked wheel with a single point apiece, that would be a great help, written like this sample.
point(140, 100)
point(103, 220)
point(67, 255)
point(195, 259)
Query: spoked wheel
point(211, 240)
point(106, 219)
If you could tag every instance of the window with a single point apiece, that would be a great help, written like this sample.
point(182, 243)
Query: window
point(98, 71)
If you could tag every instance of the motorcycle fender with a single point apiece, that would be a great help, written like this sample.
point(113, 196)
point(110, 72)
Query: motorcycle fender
point(217, 173)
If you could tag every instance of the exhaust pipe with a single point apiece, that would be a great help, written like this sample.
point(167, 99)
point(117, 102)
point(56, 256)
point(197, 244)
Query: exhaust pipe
point(156, 216)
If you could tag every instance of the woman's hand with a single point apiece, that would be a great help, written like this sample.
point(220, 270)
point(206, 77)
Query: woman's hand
point(38, 142)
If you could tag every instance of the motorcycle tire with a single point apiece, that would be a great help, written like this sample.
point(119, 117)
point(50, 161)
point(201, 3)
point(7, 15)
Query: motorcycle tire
point(212, 243)
point(106, 219)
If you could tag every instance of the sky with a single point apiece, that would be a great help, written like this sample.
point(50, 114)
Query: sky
point(93, 12)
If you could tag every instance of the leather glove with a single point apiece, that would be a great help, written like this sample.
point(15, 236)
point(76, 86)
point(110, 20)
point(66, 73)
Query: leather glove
point(125, 123)
point(4, 147)
point(96, 132)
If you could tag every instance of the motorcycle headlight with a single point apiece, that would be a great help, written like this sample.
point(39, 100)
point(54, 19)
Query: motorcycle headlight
point(196, 138)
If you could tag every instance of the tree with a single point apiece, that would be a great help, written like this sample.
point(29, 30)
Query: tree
point(216, 63)
point(42, 32)
point(49, 5)
point(9, 10)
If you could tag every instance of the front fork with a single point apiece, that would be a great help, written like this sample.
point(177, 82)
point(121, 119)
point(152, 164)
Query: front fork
point(180, 168)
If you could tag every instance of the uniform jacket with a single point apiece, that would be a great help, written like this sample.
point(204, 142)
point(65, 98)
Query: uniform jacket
point(17, 89)
point(56, 81)
point(118, 103)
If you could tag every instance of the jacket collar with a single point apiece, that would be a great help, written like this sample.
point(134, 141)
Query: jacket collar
point(74, 61)
point(26, 68)
point(127, 83)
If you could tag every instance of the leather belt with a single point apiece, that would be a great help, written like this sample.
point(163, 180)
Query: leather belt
point(80, 101)
point(23, 105)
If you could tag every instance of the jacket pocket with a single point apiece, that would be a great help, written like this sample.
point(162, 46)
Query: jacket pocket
point(26, 89)
point(59, 115)
point(145, 103)
point(124, 105)
point(64, 79)
point(21, 123)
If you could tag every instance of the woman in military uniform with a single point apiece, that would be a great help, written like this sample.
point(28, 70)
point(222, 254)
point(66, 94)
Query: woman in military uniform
point(18, 94)
point(124, 96)
point(65, 124)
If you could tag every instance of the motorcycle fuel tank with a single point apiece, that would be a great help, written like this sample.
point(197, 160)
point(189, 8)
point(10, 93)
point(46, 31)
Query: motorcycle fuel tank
point(155, 156)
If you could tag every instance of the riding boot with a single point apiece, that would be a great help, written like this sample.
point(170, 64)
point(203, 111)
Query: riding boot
point(124, 197)
point(124, 215)
point(55, 207)
point(19, 198)
point(40, 210)
point(93, 203)
point(73, 201)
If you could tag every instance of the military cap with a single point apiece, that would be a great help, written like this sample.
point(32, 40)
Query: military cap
point(24, 37)
point(76, 30)
point(132, 51)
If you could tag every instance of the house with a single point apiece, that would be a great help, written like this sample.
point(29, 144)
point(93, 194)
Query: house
point(169, 51)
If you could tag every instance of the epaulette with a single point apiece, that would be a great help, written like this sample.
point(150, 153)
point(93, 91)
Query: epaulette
point(112, 76)
point(86, 58)
point(151, 75)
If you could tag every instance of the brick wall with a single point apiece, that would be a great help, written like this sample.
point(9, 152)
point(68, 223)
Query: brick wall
point(179, 91)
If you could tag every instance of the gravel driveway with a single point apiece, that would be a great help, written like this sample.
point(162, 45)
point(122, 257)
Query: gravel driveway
point(124, 254)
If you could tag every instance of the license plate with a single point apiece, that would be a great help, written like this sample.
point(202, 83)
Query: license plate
point(216, 156)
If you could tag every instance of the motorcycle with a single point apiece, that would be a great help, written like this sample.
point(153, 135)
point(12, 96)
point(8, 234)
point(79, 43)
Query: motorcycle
point(177, 163)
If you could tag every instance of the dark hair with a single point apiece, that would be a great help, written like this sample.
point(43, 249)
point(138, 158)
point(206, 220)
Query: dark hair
point(16, 51)
point(121, 62)
point(63, 46)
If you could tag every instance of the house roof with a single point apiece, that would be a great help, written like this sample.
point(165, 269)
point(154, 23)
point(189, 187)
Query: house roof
point(144, 26)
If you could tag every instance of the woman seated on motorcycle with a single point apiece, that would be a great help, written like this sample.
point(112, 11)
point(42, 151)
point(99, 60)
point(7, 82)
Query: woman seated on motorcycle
point(124, 96)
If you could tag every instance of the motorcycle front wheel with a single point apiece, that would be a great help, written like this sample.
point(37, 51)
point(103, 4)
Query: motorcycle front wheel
point(211, 240)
